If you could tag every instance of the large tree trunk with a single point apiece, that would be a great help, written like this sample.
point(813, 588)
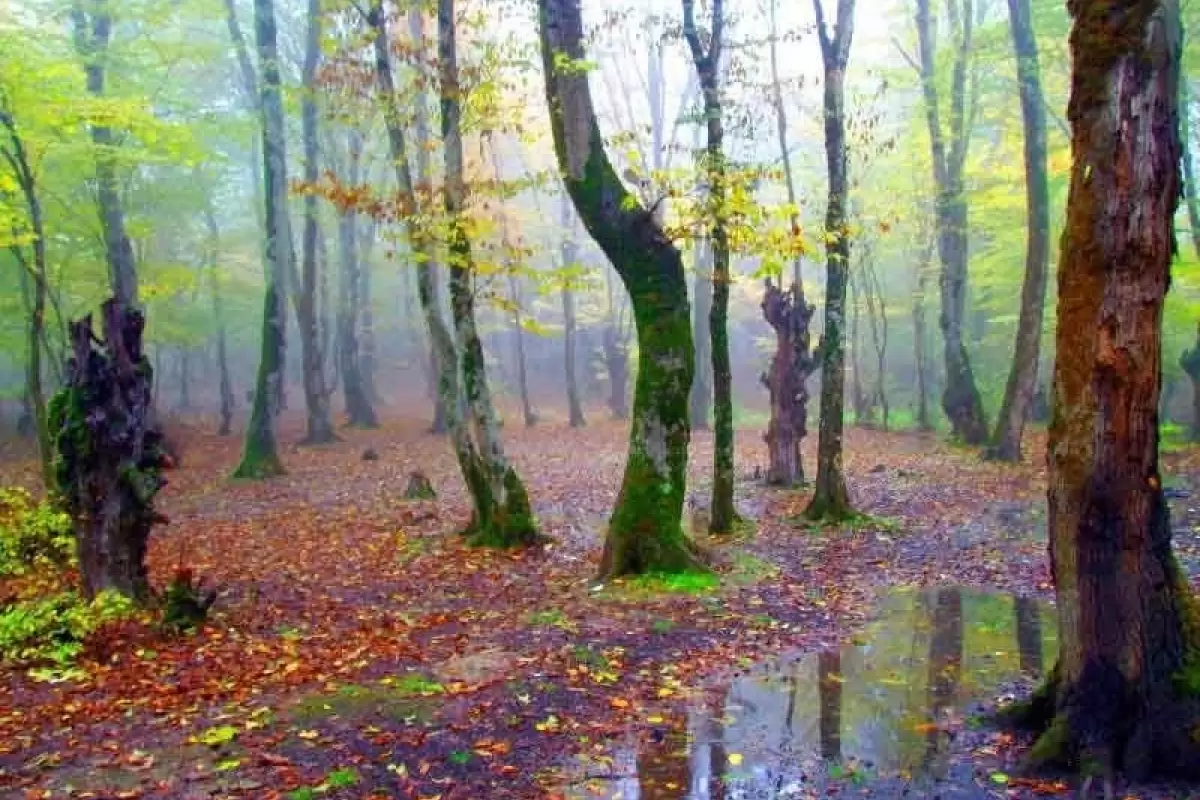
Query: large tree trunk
point(93, 30)
point(960, 399)
point(360, 412)
point(700, 399)
point(831, 500)
point(1113, 695)
point(645, 533)
point(707, 62)
point(260, 457)
point(574, 404)
point(785, 379)
point(316, 397)
point(1022, 380)
point(110, 452)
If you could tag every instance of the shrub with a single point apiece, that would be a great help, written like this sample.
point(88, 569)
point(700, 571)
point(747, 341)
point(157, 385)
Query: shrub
point(32, 534)
point(52, 630)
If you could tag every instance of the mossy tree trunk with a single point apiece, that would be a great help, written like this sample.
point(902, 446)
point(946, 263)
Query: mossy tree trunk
point(1112, 699)
point(502, 512)
point(1022, 379)
point(35, 295)
point(110, 452)
point(960, 398)
point(830, 499)
point(360, 413)
point(645, 533)
point(260, 456)
point(707, 59)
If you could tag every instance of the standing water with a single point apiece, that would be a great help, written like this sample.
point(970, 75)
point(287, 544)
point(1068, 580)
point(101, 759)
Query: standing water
point(884, 716)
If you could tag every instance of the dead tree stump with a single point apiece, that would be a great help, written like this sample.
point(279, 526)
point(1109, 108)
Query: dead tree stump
point(786, 380)
point(419, 487)
point(109, 451)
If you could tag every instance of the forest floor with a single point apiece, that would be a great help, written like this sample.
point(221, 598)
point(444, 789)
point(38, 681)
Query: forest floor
point(359, 649)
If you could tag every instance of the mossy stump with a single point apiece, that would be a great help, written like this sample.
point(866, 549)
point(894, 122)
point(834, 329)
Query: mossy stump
point(109, 451)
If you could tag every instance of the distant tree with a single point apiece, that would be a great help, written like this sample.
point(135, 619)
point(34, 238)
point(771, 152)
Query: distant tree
point(645, 533)
point(1124, 689)
point(1022, 379)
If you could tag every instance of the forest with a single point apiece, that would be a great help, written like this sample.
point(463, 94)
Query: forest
point(590, 400)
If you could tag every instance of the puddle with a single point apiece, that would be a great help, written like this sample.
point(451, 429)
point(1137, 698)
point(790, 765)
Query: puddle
point(888, 715)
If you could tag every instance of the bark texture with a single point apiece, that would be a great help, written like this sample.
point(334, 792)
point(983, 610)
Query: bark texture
point(360, 412)
point(830, 499)
point(1113, 695)
point(700, 403)
point(1022, 379)
point(960, 399)
point(109, 451)
point(645, 533)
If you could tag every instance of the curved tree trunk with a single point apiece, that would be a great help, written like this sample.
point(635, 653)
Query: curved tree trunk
point(960, 399)
point(1113, 695)
point(1022, 380)
point(260, 456)
point(645, 533)
point(830, 499)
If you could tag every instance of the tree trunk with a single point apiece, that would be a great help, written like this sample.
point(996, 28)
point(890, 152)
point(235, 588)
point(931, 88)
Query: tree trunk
point(35, 300)
point(93, 30)
point(877, 322)
point(574, 405)
point(359, 411)
point(368, 362)
point(218, 307)
point(645, 533)
point(110, 454)
point(722, 515)
point(858, 398)
point(786, 379)
point(1189, 169)
point(920, 340)
point(1113, 695)
point(960, 399)
point(945, 672)
point(185, 379)
point(830, 499)
point(702, 292)
point(1022, 380)
point(316, 398)
point(522, 372)
point(260, 456)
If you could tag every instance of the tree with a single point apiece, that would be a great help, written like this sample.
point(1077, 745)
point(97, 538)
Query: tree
point(645, 533)
point(218, 307)
point(109, 451)
point(360, 412)
point(707, 61)
point(304, 291)
point(574, 405)
point(830, 499)
point(1127, 620)
point(1022, 379)
point(960, 399)
point(260, 456)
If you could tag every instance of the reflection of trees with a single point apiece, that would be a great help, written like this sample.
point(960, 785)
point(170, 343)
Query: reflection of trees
point(1029, 635)
point(945, 667)
point(829, 671)
point(662, 763)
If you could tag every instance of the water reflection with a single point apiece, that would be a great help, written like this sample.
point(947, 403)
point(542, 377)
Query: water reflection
point(882, 712)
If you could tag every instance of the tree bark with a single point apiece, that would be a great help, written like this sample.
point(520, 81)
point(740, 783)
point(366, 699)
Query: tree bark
point(788, 315)
point(920, 341)
point(702, 293)
point(645, 533)
point(514, 287)
point(110, 452)
point(218, 307)
point(960, 399)
point(304, 297)
point(707, 61)
point(1121, 595)
point(93, 30)
point(1022, 379)
point(574, 404)
point(260, 456)
point(830, 499)
point(360, 413)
